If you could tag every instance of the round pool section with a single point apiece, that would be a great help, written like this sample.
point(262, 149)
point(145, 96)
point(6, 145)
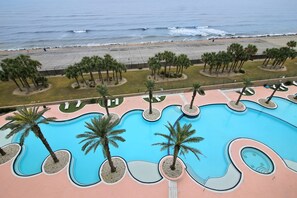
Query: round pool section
point(257, 160)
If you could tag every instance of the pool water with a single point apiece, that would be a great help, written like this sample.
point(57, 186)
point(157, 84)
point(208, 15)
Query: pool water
point(257, 160)
point(217, 124)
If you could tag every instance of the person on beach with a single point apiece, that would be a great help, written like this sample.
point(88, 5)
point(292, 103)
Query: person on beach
point(44, 49)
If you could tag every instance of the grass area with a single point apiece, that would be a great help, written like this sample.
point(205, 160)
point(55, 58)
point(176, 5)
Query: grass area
point(72, 107)
point(61, 86)
point(155, 100)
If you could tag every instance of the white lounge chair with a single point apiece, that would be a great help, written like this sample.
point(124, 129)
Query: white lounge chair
point(282, 88)
point(116, 101)
point(249, 91)
point(78, 103)
point(108, 103)
point(294, 83)
point(283, 85)
point(157, 98)
point(66, 105)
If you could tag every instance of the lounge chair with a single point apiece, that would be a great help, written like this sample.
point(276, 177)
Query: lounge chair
point(283, 88)
point(157, 98)
point(273, 86)
point(108, 103)
point(250, 91)
point(116, 101)
point(294, 83)
point(66, 105)
point(78, 103)
point(283, 85)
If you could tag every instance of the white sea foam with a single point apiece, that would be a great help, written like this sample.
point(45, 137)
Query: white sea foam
point(197, 31)
point(79, 31)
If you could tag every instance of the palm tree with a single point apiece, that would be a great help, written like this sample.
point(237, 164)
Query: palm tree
point(81, 70)
point(178, 138)
point(196, 87)
point(246, 83)
point(88, 65)
point(169, 58)
point(101, 133)
point(205, 58)
point(27, 119)
point(275, 89)
point(122, 68)
point(2, 152)
point(11, 71)
point(103, 91)
point(108, 61)
point(150, 86)
point(183, 62)
point(291, 44)
point(97, 62)
point(72, 72)
point(236, 50)
point(154, 65)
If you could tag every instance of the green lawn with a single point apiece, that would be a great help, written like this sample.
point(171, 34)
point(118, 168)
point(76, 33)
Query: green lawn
point(61, 86)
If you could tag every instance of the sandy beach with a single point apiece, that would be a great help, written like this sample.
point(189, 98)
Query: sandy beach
point(60, 58)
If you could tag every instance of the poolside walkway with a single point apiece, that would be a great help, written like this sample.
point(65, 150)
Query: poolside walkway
point(281, 183)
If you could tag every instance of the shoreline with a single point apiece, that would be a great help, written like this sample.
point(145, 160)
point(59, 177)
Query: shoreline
point(152, 42)
point(138, 53)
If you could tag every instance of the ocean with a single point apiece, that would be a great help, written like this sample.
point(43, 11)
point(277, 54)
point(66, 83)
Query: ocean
point(26, 24)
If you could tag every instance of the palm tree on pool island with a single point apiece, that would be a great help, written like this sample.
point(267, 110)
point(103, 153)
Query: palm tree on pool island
point(150, 86)
point(103, 91)
point(178, 138)
point(101, 133)
point(196, 87)
point(26, 120)
point(246, 83)
point(275, 89)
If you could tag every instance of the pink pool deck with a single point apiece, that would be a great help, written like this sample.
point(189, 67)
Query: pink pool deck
point(280, 183)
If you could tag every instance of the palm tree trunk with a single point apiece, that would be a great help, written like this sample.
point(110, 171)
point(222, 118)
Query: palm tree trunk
point(204, 67)
point(76, 81)
point(21, 82)
point(193, 98)
point(82, 76)
point(241, 93)
point(17, 84)
point(176, 150)
point(92, 77)
point(270, 97)
point(45, 143)
point(105, 105)
point(117, 78)
point(107, 152)
point(100, 76)
point(121, 75)
point(107, 73)
point(2, 152)
point(150, 102)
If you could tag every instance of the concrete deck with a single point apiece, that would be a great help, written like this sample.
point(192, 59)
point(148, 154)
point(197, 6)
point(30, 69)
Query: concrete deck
point(281, 183)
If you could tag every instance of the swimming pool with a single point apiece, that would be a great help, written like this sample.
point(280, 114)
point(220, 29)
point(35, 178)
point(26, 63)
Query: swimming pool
point(216, 123)
point(257, 160)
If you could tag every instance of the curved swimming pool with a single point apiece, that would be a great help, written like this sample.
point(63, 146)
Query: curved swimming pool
point(216, 123)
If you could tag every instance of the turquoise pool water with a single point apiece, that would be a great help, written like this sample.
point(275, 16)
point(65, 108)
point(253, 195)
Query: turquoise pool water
point(216, 123)
point(257, 160)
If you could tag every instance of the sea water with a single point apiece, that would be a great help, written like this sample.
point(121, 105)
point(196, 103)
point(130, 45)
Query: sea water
point(55, 23)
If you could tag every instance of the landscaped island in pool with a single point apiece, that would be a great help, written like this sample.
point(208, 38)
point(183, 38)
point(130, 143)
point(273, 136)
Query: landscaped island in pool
point(217, 124)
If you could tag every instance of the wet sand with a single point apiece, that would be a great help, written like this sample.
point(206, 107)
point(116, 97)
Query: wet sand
point(59, 58)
